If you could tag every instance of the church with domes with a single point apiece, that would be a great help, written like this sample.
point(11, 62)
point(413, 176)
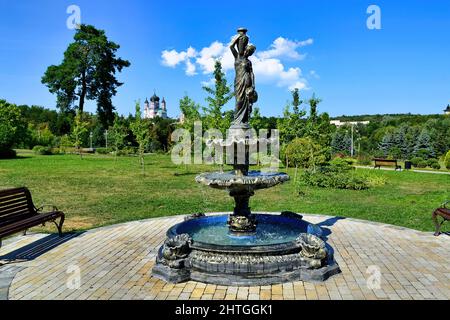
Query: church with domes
point(154, 109)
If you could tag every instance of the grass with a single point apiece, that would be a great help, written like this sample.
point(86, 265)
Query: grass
point(100, 190)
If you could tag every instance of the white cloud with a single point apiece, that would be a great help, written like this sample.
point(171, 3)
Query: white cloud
point(267, 65)
point(172, 58)
point(209, 55)
point(190, 68)
point(283, 47)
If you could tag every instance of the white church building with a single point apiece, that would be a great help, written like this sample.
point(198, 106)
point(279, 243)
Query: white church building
point(153, 109)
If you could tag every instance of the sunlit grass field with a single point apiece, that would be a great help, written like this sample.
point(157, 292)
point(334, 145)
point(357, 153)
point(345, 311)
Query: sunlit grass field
point(101, 190)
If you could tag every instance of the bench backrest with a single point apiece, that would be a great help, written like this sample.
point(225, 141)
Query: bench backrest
point(15, 204)
point(385, 162)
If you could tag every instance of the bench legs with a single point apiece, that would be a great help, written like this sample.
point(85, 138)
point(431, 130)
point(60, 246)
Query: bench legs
point(59, 225)
point(436, 222)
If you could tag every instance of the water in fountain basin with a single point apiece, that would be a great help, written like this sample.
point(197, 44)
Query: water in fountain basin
point(270, 230)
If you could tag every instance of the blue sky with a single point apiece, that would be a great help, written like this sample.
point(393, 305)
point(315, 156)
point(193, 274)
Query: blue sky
point(323, 47)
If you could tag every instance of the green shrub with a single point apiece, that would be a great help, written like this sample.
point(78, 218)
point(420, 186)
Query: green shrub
point(374, 179)
point(126, 151)
point(41, 150)
point(327, 178)
point(103, 150)
point(447, 160)
point(421, 164)
point(416, 160)
point(305, 153)
point(57, 151)
point(340, 164)
point(433, 163)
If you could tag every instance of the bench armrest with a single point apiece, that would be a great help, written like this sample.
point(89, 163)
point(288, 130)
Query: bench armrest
point(42, 207)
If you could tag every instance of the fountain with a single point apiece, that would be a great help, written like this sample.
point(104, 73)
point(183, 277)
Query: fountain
point(243, 248)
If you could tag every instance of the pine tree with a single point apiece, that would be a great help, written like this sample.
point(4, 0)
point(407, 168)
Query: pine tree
point(341, 142)
point(387, 143)
point(423, 147)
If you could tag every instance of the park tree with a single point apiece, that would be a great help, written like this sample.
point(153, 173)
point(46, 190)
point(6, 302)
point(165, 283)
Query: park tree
point(256, 121)
point(423, 147)
point(190, 111)
point(87, 72)
point(341, 141)
point(447, 160)
point(160, 133)
point(304, 153)
point(291, 125)
point(140, 130)
point(13, 128)
point(79, 130)
point(312, 122)
point(219, 95)
point(318, 127)
point(387, 143)
point(117, 134)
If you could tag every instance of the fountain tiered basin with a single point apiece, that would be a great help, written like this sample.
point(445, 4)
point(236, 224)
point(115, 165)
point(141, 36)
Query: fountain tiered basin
point(280, 250)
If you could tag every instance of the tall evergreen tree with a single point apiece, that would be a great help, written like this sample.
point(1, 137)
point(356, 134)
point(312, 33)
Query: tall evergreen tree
point(292, 124)
point(87, 72)
point(218, 97)
point(423, 147)
point(387, 143)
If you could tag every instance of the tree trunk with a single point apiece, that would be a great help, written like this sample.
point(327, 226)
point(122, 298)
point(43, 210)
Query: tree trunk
point(83, 93)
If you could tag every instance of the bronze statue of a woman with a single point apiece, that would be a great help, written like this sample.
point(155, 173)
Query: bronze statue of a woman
point(244, 82)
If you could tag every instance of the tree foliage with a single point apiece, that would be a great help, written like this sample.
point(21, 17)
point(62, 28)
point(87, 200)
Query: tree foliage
point(219, 95)
point(87, 72)
point(79, 130)
point(140, 129)
point(305, 153)
point(12, 127)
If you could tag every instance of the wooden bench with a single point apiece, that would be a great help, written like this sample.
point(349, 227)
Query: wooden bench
point(386, 163)
point(18, 213)
point(443, 212)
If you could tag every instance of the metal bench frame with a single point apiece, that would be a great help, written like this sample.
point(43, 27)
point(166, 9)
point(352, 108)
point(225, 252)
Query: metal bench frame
point(18, 213)
point(443, 212)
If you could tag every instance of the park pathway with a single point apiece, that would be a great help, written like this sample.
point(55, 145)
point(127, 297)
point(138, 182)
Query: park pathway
point(115, 262)
point(413, 170)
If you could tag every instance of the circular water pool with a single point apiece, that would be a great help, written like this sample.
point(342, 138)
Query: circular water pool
point(213, 232)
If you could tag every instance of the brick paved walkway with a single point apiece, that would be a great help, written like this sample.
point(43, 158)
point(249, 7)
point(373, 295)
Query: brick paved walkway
point(115, 263)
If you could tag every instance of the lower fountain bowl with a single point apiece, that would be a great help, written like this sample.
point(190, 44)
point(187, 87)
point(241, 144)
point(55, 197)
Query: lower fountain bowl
point(273, 254)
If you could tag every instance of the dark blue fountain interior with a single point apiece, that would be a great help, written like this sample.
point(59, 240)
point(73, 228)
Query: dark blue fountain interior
point(271, 230)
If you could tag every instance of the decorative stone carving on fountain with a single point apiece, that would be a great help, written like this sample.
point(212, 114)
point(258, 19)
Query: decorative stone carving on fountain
point(171, 263)
point(194, 216)
point(313, 248)
point(175, 249)
point(244, 224)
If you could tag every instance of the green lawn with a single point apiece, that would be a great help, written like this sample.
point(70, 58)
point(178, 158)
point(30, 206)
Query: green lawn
point(100, 190)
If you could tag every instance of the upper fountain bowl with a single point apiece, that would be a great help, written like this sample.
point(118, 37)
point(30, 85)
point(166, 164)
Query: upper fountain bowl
point(255, 179)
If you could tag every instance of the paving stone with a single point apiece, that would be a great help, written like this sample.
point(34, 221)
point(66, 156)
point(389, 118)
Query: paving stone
point(116, 262)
